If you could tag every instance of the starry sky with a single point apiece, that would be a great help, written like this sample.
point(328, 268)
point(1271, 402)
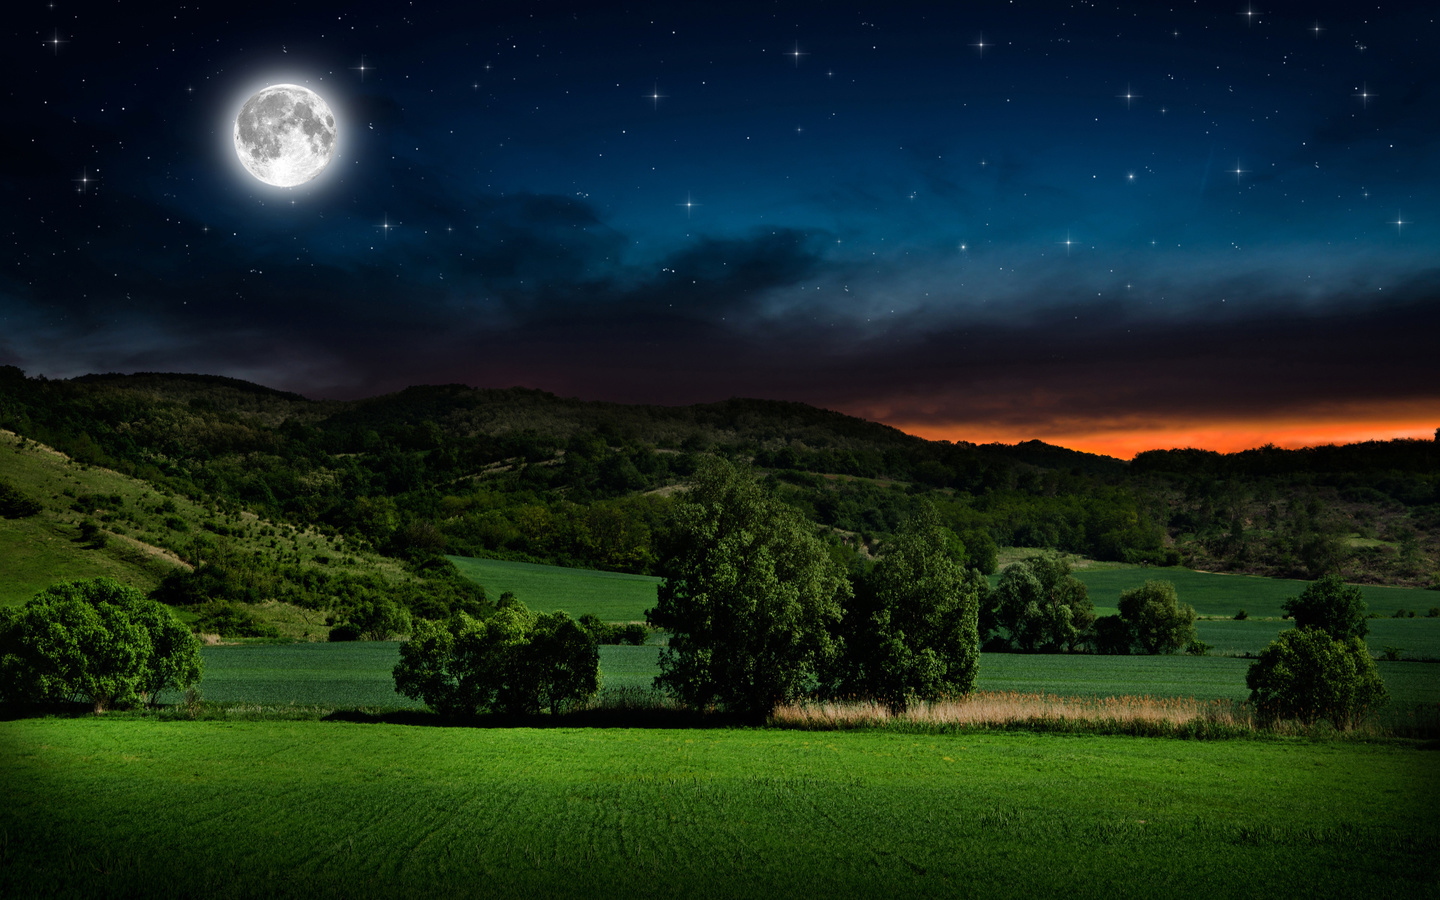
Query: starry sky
point(1111, 227)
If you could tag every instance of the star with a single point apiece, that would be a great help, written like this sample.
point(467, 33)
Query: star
point(655, 96)
point(385, 226)
point(1128, 96)
point(1067, 242)
point(1249, 15)
point(1316, 29)
point(362, 68)
point(797, 54)
point(688, 204)
point(1365, 95)
point(82, 184)
point(1400, 223)
point(56, 41)
point(980, 45)
point(1237, 171)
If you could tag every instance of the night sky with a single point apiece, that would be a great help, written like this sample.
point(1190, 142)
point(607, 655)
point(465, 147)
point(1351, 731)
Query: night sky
point(1109, 227)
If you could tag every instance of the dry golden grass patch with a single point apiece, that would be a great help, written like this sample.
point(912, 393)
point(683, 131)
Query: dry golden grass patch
point(1009, 709)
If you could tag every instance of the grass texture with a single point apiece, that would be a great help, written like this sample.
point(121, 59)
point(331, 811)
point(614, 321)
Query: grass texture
point(352, 675)
point(613, 596)
point(139, 807)
point(1223, 595)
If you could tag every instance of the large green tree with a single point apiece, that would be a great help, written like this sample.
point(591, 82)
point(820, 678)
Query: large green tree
point(1159, 622)
point(911, 632)
point(1331, 605)
point(750, 597)
point(100, 640)
point(512, 661)
point(1041, 606)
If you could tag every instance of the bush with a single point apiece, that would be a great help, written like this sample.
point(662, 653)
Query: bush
point(1400, 614)
point(15, 505)
point(1332, 606)
point(228, 620)
point(600, 632)
point(1112, 636)
point(633, 634)
point(97, 639)
point(512, 662)
point(1307, 675)
point(344, 632)
point(1161, 624)
point(1433, 613)
point(1198, 647)
point(1241, 616)
point(376, 620)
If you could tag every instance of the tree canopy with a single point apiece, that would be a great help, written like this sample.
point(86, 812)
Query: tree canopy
point(750, 597)
point(97, 639)
point(1331, 605)
point(1041, 606)
point(912, 630)
point(1158, 621)
point(1309, 676)
point(512, 662)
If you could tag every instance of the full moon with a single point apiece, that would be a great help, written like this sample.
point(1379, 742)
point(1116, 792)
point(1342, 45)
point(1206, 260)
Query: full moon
point(285, 135)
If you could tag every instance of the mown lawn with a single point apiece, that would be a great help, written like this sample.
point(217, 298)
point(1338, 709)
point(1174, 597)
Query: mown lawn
point(138, 807)
point(613, 596)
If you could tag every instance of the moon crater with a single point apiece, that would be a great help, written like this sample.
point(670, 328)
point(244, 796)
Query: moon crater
point(285, 135)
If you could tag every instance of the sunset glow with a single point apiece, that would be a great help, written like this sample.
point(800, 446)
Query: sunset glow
point(1225, 437)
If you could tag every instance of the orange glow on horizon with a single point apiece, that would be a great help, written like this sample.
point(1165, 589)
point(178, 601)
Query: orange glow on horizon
point(1124, 442)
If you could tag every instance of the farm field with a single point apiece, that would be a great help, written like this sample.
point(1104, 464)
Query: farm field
point(1223, 595)
point(1413, 638)
point(359, 674)
point(619, 597)
point(131, 807)
point(613, 596)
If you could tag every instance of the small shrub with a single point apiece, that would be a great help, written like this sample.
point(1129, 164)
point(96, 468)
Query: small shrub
point(1433, 613)
point(1198, 647)
point(15, 505)
point(633, 634)
point(1391, 653)
point(600, 632)
point(228, 620)
point(344, 632)
point(1241, 615)
point(1400, 614)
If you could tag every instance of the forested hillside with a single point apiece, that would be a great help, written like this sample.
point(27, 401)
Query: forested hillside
point(524, 475)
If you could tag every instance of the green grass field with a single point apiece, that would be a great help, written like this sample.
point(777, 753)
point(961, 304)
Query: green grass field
point(139, 807)
point(613, 596)
point(1224, 595)
point(1415, 638)
point(359, 675)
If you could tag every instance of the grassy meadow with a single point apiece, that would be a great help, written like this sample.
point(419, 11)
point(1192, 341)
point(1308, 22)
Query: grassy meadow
point(358, 674)
point(613, 596)
point(140, 807)
point(1215, 594)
